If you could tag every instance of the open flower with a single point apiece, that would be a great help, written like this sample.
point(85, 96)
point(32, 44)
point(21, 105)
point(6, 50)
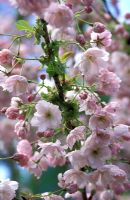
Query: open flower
point(16, 84)
point(48, 116)
point(96, 153)
point(101, 39)
point(7, 189)
point(100, 120)
point(72, 177)
point(31, 6)
point(59, 15)
point(92, 58)
point(109, 82)
point(76, 134)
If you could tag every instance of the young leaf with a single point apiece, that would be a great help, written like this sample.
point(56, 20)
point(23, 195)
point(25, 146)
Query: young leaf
point(66, 55)
point(23, 25)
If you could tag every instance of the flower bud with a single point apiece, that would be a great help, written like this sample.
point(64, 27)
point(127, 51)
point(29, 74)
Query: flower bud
point(6, 57)
point(88, 9)
point(21, 158)
point(81, 39)
point(12, 113)
point(43, 77)
point(83, 95)
point(99, 27)
point(31, 97)
point(127, 15)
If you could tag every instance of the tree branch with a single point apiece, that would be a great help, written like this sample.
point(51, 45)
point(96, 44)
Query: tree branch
point(50, 53)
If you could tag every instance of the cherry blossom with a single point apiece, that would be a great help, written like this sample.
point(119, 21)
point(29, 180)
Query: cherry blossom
point(59, 16)
point(47, 116)
point(92, 58)
point(7, 189)
point(16, 84)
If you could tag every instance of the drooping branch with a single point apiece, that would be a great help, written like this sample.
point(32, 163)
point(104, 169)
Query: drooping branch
point(109, 12)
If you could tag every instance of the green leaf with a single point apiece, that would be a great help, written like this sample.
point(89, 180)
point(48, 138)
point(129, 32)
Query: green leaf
point(23, 25)
point(66, 55)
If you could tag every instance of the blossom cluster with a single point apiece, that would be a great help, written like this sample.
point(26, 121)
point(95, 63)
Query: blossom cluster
point(59, 117)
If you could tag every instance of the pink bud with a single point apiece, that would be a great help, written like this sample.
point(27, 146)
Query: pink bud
point(99, 27)
point(6, 57)
point(107, 16)
point(83, 95)
point(12, 113)
point(81, 39)
point(21, 158)
point(88, 9)
point(127, 15)
point(119, 29)
point(114, 2)
point(126, 34)
point(22, 129)
point(31, 97)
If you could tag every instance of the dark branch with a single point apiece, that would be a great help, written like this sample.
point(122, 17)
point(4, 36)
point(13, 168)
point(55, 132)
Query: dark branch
point(109, 12)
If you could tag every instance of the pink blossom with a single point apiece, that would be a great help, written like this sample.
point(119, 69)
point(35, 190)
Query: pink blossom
point(37, 164)
point(77, 159)
point(16, 84)
point(89, 105)
point(122, 131)
point(59, 15)
point(109, 176)
point(47, 116)
point(31, 6)
point(12, 113)
point(102, 136)
point(92, 58)
point(76, 134)
point(101, 39)
point(3, 76)
point(7, 189)
point(100, 120)
point(96, 153)
point(71, 177)
point(54, 153)
point(112, 107)
point(106, 195)
point(16, 102)
point(109, 82)
point(6, 58)
point(22, 129)
point(24, 147)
